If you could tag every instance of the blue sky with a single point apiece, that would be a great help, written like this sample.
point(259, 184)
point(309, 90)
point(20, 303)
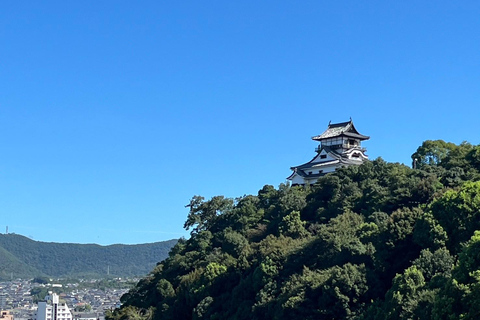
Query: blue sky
point(113, 114)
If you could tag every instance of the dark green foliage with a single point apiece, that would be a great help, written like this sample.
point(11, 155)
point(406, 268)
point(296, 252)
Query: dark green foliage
point(458, 212)
point(376, 241)
point(41, 280)
point(12, 265)
point(23, 257)
point(432, 152)
point(39, 293)
point(460, 297)
point(453, 164)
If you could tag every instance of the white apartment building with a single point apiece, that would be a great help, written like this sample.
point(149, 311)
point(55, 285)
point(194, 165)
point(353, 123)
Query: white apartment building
point(52, 309)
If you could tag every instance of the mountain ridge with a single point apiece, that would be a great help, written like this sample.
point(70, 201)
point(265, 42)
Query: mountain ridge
point(24, 258)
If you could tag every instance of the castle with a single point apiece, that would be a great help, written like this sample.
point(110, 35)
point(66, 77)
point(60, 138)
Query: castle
point(340, 146)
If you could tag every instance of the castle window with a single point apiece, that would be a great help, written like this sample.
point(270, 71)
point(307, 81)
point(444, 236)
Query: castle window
point(323, 156)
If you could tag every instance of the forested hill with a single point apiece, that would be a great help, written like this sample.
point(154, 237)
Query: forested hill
point(22, 257)
point(377, 241)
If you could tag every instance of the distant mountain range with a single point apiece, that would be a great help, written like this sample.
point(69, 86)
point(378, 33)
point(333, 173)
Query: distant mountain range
point(21, 257)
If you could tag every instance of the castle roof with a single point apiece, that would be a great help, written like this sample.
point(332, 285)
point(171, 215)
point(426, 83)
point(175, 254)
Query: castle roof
point(337, 159)
point(340, 129)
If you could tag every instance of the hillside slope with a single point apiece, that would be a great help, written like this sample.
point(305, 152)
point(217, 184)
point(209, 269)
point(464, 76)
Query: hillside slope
point(23, 257)
point(376, 241)
point(11, 266)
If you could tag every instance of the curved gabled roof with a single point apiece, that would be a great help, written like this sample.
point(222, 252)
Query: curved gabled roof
point(340, 129)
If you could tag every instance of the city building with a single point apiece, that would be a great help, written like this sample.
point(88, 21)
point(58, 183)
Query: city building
point(52, 309)
point(3, 300)
point(6, 315)
point(340, 146)
point(87, 316)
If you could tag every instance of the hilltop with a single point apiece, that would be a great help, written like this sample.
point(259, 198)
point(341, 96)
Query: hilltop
point(375, 241)
point(22, 257)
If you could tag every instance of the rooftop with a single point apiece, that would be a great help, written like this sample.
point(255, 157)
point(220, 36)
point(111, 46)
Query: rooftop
point(340, 129)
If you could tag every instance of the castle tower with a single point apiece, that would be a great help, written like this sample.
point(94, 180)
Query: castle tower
point(340, 145)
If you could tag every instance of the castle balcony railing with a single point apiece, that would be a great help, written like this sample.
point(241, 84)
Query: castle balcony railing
point(338, 146)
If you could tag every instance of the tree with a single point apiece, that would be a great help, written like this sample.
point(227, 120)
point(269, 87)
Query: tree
point(293, 226)
point(432, 152)
point(203, 214)
point(342, 296)
point(41, 280)
point(403, 299)
point(83, 308)
point(458, 212)
point(460, 298)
